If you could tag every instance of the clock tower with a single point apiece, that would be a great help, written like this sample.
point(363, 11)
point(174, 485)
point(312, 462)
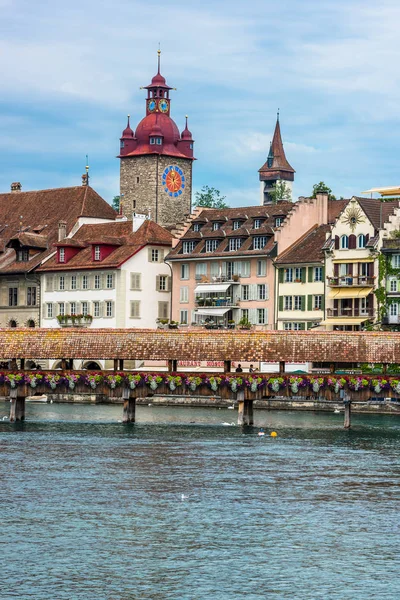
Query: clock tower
point(156, 161)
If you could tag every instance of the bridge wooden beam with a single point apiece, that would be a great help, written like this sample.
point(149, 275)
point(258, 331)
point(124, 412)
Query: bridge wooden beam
point(22, 364)
point(121, 364)
point(281, 366)
point(172, 365)
point(332, 367)
point(115, 364)
point(245, 410)
point(347, 414)
point(17, 405)
point(227, 366)
point(64, 364)
point(13, 364)
point(129, 411)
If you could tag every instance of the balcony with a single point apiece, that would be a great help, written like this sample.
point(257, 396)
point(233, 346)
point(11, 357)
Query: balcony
point(217, 301)
point(351, 281)
point(231, 279)
point(341, 312)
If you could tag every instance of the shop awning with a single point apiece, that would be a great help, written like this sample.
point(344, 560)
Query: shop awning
point(211, 287)
point(212, 312)
point(345, 261)
point(337, 294)
point(344, 321)
point(385, 191)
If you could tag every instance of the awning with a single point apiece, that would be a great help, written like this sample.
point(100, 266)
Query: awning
point(211, 287)
point(350, 292)
point(385, 191)
point(345, 321)
point(345, 261)
point(212, 312)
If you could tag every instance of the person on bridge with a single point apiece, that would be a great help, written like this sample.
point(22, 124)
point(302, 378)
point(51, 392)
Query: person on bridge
point(239, 368)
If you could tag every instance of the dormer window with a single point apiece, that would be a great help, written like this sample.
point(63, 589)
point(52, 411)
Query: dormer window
point(236, 225)
point(196, 227)
point(211, 245)
point(259, 242)
point(235, 244)
point(278, 221)
point(61, 255)
point(257, 223)
point(216, 226)
point(155, 141)
point(23, 255)
point(97, 253)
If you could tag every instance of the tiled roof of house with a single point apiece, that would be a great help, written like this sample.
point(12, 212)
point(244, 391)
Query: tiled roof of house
point(226, 217)
point(377, 211)
point(307, 249)
point(24, 213)
point(289, 346)
point(335, 207)
point(130, 243)
point(32, 240)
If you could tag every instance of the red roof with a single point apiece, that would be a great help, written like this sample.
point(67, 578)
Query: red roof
point(276, 163)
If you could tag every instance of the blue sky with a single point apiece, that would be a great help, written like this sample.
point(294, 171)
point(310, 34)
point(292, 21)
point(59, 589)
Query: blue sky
point(71, 72)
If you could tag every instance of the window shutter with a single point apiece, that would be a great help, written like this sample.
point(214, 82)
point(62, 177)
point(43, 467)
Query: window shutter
point(350, 269)
point(281, 274)
point(336, 306)
point(370, 269)
point(356, 306)
point(302, 326)
point(310, 274)
point(253, 315)
point(280, 302)
point(303, 274)
point(323, 273)
point(149, 254)
point(253, 291)
point(169, 282)
point(158, 283)
point(266, 291)
point(367, 238)
point(309, 302)
point(49, 283)
point(303, 303)
point(352, 242)
point(336, 242)
point(336, 270)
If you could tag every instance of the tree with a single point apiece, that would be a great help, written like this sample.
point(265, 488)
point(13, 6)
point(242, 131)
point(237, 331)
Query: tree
point(209, 197)
point(115, 203)
point(280, 191)
point(322, 188)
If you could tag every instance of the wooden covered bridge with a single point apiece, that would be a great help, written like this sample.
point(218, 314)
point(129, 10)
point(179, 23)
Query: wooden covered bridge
point(65, 345)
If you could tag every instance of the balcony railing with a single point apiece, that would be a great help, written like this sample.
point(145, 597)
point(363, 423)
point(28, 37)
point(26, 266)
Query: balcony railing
point(351, 280)
point(218, 279)
point(350, 312)
point(215, 302)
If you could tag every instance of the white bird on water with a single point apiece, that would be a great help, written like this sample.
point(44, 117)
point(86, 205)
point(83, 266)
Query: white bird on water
point(5, 418)
point(183, 497)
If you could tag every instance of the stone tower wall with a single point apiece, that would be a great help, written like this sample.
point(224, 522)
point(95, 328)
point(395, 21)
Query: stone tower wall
point(142, 191)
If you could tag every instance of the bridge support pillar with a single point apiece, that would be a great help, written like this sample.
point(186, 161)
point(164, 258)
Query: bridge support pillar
point(129, 413)
point(227, 366)
point(121, 364)
point(347, 414)
point(64, 364)
point(281, 366)
point(172, 366)
point(115, 364)
point(245, 410)
point(13, 364)
point(17, 406)
point(22, 364)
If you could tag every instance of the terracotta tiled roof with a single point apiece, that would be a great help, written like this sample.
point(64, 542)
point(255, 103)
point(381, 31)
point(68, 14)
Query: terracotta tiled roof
point(377, 211)
point(41, 208)
point(226, 217)
point(307, 249)
point(289, 346)
point(335, 207)
point(32, 240)
point(131, 242)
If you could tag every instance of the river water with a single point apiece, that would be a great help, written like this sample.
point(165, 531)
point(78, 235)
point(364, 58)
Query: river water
point(185, 506)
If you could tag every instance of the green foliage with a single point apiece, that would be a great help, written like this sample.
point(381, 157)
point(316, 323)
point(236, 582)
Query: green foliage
point(395, 234)
point(209, 197)
point(115, 203)
point(322, 188)
point(280, 191)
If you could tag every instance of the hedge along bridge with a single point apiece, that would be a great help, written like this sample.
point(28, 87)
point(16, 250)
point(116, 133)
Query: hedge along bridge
point(174, 345)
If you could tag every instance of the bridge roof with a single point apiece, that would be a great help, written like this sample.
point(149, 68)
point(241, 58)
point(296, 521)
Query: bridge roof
point(268, 346)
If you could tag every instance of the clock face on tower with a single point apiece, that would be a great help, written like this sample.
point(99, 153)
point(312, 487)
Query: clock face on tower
point(163, 105)
point(173, 180)
point(151, 105)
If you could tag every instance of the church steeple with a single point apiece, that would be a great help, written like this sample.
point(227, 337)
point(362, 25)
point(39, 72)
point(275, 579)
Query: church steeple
point(276, 168)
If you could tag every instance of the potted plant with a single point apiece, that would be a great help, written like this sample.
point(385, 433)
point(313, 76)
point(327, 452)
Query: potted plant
point(231, 324)
point(173, 325)
point(244, 323)
point(235, 277)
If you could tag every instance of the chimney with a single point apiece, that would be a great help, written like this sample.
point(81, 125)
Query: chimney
point(62, 230)
point(85, 179)
point(322, 204)
point(137, 221)
point(16, 186)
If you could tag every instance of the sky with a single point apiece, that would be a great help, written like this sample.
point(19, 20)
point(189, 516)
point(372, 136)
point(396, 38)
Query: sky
point(71, 71)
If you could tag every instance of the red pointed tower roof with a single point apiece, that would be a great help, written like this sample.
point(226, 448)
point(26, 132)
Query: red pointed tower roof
point(276, 165)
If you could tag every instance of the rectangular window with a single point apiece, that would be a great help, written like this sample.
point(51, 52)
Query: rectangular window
point(396, 261)
point(109, 308)
point(317, 273)
point(287, 302)
point(97, 253)
point(288, 275)
point(244, 268)
point(61, 308)
point(110, 281)
point(287, 326)
point(261, 316)
point(261, 268)
point(49, 311)
point(216, 226)
point(236, 225)
point(154, 255)
point(259, 242)
point(317, 302)
point(201, 270)
point(23, 255)
point(135, 309)
point(261, 291)
point(257, 223)
point(85, 308)
point(297, 302)
point(49, 283)
point(245, 292)
point(297, 274)
point(235, 243)
point(211, 245)
point(136, 281)
point(163, 310)
point(296, 326)
point(394, 309)
point(188, 247)
point(184, 317)
point(162, 283)
point(185, 271)
point(393, 285)
point(96, 309)
point(61, 283)
point(184, 294)
point(97, 282)
point(196, 227)
point(85, 282)
point(61, 255)
point(73, 282)
point(31, 296)
point(245, 313)
point(13, 296)
point(72, 308)
point(278, 221)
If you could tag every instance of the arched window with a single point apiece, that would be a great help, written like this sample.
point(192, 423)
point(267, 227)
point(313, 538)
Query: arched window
point(361, 241)
point(344, 242)
point(12, 323)
point(31, 323)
